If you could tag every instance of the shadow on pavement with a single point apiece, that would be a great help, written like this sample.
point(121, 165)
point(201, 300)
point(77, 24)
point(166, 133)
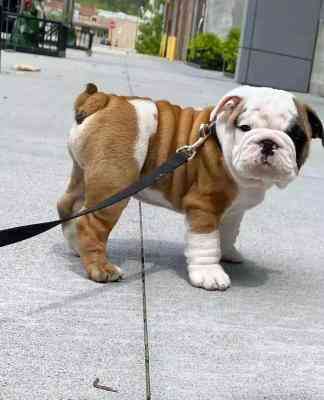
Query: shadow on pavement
point(159, 256)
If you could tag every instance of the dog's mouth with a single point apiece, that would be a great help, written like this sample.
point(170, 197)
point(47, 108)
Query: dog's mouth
point(266, 156)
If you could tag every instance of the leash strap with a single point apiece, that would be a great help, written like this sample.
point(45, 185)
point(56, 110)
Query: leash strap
point(19, 233)
point(182, 155)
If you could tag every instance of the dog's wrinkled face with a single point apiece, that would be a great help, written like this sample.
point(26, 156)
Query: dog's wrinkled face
point(265, 134)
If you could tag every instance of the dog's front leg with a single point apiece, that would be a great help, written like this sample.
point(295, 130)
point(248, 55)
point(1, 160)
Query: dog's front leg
point(203, 253)
point(229, 231)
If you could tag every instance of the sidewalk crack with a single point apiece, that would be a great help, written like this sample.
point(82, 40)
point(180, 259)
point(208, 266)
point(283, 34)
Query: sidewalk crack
point(145, 322)
point(146, 336)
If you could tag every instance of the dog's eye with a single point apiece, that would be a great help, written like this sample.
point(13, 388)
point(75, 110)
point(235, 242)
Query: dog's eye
point(244, 128)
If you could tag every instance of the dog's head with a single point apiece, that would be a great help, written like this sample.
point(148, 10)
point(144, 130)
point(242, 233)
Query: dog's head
point(265, 135)
point(88, 102)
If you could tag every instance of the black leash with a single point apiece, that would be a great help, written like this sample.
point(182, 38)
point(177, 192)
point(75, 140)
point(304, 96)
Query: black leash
point(183, 154)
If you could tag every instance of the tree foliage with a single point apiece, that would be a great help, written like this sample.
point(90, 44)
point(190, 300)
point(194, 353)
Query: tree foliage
point(150, 30)
point(212, 52)
point(230, 49)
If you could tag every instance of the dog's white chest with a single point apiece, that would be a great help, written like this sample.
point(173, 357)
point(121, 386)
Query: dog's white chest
point(247, 198)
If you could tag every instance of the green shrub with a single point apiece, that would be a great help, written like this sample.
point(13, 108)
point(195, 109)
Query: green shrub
point(206, 50)
point(230, 49)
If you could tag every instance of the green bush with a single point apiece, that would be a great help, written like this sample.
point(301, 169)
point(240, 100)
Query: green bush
point(211, 52)
point(206, 50)
point(230, 49)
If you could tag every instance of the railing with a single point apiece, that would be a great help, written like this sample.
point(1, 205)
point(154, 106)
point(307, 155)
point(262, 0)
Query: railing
point(32, 35)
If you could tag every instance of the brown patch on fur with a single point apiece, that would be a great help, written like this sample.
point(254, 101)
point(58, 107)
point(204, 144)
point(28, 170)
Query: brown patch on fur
point(109, 166)
point(94, 103)
point(90, 101)
point(303, 121)
point(200, 187)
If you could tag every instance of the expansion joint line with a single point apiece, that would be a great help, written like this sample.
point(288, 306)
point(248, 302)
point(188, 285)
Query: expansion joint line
point(144, 303)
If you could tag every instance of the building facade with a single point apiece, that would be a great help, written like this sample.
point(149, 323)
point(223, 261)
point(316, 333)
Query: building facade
point(317, 78)
point(115, 28)
point(288, 57)
point(184, 19)
point(124, 31)
point(222, 15)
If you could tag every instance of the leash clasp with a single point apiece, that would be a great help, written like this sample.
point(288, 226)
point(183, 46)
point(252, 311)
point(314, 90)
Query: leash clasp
point(191, 149)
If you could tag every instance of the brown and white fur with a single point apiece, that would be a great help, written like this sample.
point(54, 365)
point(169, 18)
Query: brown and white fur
point(264, 134)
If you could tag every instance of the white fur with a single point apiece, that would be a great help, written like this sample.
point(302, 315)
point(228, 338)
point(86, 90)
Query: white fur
point(276, 102)
point(147, 117)
point(147, 120)
point(77, 138)
point(229, 231)
point(231, 221)
point(203, 252)
point(269, 112)
point(154, 197)
point(70, 234)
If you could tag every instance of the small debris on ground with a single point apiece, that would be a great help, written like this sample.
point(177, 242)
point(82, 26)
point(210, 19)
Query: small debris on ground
point(26, 67)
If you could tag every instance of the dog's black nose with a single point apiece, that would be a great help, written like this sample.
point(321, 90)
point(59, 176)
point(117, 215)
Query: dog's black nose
point(267, 147)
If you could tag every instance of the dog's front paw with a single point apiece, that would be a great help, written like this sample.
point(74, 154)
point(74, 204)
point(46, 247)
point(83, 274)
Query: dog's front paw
point(104, 273)
point(209, 277)
point(232, 256)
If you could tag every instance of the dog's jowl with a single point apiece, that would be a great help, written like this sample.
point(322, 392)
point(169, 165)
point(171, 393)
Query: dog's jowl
point(264, 136)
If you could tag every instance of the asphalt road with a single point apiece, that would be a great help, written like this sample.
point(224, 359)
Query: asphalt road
point(261, 339)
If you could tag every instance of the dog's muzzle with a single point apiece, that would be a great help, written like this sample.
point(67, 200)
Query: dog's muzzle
point(266, 155)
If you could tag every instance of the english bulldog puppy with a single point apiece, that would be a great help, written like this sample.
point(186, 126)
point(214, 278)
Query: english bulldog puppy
point(264, 137)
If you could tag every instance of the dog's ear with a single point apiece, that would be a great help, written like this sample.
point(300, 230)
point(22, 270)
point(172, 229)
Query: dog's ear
point(228, 104)
point(315, 124)
point(91, 88)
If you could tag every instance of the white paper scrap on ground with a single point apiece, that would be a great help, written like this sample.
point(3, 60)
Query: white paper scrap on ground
point(26, 67)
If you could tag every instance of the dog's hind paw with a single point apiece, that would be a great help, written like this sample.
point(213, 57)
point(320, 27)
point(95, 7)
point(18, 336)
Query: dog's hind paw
point(105, 273)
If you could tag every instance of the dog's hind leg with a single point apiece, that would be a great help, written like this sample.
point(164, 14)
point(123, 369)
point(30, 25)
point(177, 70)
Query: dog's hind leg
point(73, 198)
point(93, 229)
point(71, 202)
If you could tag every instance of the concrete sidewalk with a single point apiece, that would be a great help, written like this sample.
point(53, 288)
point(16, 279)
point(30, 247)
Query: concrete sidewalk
point(262, 339)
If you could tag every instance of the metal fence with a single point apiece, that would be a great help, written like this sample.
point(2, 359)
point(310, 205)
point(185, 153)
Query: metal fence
point(29, 34)
point(32, 35)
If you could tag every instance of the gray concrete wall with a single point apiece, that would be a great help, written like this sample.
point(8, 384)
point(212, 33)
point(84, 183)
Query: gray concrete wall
point(280, 57)
point(317, 79)
point(222, 15)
